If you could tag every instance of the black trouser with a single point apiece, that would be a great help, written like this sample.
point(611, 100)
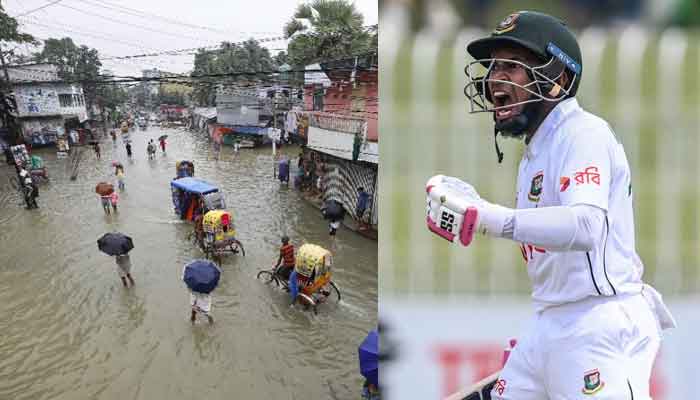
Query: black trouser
point(30, 195)
point(284, 271)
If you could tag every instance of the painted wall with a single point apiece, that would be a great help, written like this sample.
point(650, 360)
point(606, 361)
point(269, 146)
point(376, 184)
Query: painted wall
point(343, 181)
point(360, 101)
point(37, 100)
point(43, 100)
point(42, 131)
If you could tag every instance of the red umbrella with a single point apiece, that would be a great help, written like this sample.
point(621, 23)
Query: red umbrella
point(104, 189)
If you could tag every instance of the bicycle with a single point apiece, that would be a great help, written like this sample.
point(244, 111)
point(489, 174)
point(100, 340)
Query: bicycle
point(327, 293)
point(216, 250)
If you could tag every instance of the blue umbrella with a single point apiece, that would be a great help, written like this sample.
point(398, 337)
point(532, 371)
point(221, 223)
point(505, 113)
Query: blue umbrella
point(201, 276)
point(369, 357)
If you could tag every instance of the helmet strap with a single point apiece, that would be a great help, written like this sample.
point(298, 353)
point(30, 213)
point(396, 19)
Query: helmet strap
point(515, 127)
point(499, 153)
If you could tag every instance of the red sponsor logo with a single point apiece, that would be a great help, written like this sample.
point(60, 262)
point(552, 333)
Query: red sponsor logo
point(471, 361)
point(564, 181)
point(461, 364)
point(588, 175)
point(528, 251)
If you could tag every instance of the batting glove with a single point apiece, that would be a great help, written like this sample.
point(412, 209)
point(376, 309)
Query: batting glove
point(455, 211)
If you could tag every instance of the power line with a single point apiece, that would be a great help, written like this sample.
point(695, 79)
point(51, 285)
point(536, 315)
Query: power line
point(92, 34)
point(129, 24)
point(191, 49)
point(37, 9)
point(218, 46)
point(144, 14)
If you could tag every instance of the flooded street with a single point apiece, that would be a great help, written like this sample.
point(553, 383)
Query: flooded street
point(71, 331)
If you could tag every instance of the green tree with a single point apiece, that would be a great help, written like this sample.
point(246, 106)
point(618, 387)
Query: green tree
point(9, 35)
point(110, 96)
point(334, 30)
point(174, 93)
point(281, 58)
point(687, 14)
point(248, 57)
point(79, 64)
point(204, 64)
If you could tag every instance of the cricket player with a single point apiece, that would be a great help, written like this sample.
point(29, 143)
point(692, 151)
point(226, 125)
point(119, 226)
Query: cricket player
point(597, 326)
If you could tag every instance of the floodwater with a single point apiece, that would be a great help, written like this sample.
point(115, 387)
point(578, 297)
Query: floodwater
point(69, 330)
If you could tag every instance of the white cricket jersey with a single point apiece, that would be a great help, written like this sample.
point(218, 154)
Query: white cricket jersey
point(575, 158)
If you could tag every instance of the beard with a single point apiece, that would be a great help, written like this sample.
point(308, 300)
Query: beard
point(519, 125)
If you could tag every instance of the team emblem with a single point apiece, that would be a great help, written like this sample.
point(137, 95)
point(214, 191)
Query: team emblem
point(536, 187)
point(592, 382)
point(508, 24)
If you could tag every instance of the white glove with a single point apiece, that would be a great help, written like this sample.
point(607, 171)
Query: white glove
point(455, 210)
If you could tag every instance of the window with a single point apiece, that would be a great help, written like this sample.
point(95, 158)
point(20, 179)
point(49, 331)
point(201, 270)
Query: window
point(65, 100)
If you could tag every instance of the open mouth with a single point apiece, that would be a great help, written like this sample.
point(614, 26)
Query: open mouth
point(503, 101)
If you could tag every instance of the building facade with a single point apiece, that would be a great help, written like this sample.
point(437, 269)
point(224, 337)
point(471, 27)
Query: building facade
point(339, 126)
point(45, 105)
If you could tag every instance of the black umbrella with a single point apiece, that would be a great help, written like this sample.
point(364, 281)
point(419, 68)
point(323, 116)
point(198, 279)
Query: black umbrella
point(115, 243)
point(332, 210)
point(161, 137)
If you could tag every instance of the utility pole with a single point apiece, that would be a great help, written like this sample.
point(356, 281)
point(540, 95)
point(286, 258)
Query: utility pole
point(4, 68)
point(5, 90)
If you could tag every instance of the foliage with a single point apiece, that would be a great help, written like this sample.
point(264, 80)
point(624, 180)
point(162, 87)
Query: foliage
point(325, 30)
point(79, 64)
point(231, 58)
point(687, 14)
point(9, 32)
point(109, 97)
point(281, 58)
point(174, 93)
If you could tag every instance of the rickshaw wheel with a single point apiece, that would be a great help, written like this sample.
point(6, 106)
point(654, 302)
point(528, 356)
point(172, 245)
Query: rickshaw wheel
point(236, 246)
point(307, 301)
point(268, 277)
point(334, 292)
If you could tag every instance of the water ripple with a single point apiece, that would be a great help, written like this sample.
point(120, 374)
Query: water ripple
point(70, 330)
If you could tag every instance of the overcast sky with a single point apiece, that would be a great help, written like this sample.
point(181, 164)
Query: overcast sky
point(118, 27)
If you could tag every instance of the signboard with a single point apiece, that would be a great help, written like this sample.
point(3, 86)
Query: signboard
point(340, 144)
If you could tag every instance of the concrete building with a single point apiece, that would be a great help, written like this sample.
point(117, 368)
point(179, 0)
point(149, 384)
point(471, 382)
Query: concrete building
point(46, 107)
point(339, 126)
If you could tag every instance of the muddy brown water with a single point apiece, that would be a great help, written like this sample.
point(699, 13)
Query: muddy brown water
point(71, 331)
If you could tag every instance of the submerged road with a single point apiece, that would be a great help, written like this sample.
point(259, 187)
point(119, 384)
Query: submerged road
point(71, 331)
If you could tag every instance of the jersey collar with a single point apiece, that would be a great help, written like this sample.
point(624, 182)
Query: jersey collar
point(551, 122)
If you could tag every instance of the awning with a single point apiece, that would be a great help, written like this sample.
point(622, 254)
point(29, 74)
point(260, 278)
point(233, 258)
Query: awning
point(194, 185)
